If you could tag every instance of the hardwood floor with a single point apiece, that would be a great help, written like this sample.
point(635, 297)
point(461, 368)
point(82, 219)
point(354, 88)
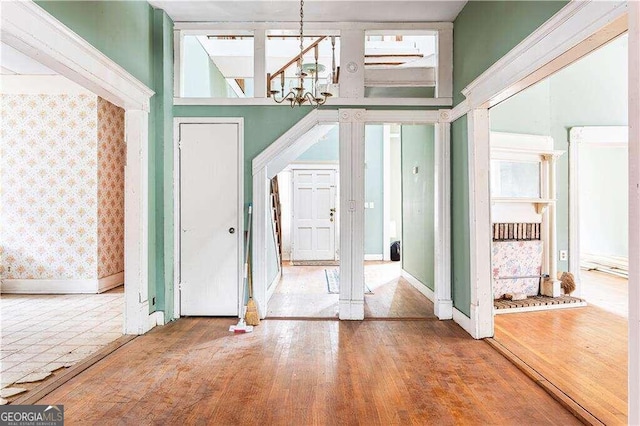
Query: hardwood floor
point(193, 371)
point(606, 291)
point(581, 351)
point(302, 292)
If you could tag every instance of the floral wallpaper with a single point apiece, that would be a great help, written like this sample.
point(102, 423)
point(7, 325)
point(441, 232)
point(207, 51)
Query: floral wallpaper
point(49, 187)
point(111, 158)
point(516, 259)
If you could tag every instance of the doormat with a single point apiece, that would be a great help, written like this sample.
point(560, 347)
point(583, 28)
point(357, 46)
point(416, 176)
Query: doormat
point(315, 262)
point(333, 281)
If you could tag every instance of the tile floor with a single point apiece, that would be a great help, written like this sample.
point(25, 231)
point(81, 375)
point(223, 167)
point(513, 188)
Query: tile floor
point(43, 333)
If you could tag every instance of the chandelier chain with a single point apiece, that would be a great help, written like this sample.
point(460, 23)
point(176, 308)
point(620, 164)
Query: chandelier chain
point(301, 27)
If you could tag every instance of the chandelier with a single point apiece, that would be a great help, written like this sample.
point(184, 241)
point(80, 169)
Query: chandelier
point(297, 95)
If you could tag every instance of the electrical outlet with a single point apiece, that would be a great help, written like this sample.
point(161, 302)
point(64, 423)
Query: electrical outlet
point(564, 254)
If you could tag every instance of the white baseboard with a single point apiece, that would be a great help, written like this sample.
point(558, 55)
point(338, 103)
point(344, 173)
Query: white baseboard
point(418, 285)
point(463, 321)
point(49, 286)
point(373, 257)
point(156, 318)
point(112, 281)
point(351, 309)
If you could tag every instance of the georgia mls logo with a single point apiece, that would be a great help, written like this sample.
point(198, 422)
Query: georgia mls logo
point(31, 415)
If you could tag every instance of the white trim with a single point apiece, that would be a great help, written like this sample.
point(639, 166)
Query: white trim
point(61, 286)
point(480, 224)
point(443, 304)
point(351, 126)
point(155, 318)
point(177, 121)
point(539, 308)
point(417, 28)
point(386, 192)
point(574, 23)
point(41, 85)
point(463, 321)
point(418, 285)
point(112, 281)
point(337, 101)
point(372, 257)
point(402, 116)
point(28, 28)
point(593, 135)
point(634, 214)
point(291, 136)
point(351, 309)
point(49, 286)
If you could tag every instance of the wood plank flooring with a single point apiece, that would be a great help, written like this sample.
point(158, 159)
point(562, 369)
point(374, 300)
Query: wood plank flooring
point(581, 351)
point(193, 371)
point(302, 292)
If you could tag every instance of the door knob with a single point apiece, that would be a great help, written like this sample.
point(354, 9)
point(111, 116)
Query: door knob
point(232, 230)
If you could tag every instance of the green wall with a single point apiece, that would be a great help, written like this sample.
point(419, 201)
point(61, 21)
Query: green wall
point(483, 32)
point(373, 189)
point(137, 38)
point(460, 242)
point(418, 143)
point(163, 77)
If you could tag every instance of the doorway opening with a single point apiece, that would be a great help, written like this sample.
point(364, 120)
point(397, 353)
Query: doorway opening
point(399, 232)
point(62, 219)
point(559, 204)
point(303, 257)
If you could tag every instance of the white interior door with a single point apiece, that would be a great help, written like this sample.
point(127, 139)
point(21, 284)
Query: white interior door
point(314, 215)
point(210, 237)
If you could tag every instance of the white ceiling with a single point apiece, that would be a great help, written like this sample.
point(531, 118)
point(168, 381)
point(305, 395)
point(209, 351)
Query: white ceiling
point(314, 10)
point(14, 62)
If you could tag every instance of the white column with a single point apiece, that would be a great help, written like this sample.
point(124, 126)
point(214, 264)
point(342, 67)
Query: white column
point(351, 306)
point(634, 213)
point(259, 64)
point(480, 224)
point(260, 225)
point(551, 286)
point(136, 223)
point(443, 304)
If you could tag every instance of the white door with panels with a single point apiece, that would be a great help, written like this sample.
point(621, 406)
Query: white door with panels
point(209, 223)
point(314, 215)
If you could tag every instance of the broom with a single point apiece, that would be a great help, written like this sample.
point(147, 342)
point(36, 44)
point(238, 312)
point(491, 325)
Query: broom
point(252, 317)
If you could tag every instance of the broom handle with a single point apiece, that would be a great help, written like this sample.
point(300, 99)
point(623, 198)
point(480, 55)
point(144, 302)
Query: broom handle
point(246, 267)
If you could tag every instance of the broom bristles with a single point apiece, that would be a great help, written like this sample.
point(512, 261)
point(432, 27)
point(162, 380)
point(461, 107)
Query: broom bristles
point(567, 282)
point(252, 317)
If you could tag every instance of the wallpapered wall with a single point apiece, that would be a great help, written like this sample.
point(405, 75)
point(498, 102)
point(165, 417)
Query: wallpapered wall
point(61, 187)
point(111, 158)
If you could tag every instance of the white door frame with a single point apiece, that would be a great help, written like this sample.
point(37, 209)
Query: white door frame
point(578, 136)
point(577, 29)
point(177, 121)
point(26, 27)
point(352, 125)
